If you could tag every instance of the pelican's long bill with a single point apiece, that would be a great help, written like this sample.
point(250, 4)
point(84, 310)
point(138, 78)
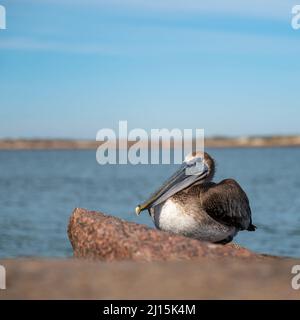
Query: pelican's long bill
point(188, 174)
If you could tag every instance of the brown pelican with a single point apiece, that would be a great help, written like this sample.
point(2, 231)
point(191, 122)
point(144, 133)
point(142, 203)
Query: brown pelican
point(190, 204)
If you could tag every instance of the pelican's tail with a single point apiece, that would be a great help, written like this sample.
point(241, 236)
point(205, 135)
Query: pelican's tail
point(251, 227)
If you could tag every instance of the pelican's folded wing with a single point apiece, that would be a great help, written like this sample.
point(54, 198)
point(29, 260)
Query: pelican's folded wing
point(227, 203)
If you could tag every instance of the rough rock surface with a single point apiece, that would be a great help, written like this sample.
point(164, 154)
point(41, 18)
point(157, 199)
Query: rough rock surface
point(94, 235)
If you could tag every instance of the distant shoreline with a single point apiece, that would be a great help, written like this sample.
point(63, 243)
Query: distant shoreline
point(214, 142)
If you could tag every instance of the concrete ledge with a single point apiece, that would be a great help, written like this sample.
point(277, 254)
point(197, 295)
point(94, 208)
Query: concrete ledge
point(198, 279)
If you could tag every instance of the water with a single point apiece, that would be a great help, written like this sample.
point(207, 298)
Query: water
point(39, 189)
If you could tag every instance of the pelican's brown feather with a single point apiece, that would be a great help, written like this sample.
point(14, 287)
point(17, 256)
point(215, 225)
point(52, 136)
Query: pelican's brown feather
point(227, 203)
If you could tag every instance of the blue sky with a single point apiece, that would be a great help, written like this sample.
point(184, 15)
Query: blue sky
point(69, 68)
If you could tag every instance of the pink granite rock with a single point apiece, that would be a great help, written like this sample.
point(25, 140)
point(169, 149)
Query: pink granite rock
point(94, 235)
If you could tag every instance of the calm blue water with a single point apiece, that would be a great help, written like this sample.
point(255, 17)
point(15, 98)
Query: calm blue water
point(39, 189)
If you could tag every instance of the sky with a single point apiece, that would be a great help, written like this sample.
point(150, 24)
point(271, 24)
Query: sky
point(70, 68)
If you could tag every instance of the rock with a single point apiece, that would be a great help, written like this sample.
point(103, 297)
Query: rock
point(94, 235)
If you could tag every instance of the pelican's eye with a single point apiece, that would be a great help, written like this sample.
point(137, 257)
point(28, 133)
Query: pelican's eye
point(194, 167)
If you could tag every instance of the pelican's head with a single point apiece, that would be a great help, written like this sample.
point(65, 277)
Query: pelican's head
point(200, 163)
point(198, 167)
